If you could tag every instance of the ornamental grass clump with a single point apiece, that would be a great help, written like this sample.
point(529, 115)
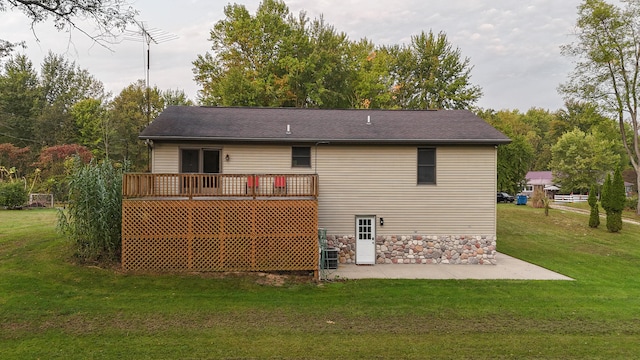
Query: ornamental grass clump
point(94, 214)
point(538, 199)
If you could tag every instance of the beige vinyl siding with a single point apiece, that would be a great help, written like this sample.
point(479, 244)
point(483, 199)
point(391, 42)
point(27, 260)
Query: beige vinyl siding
point(166, 158)
point(262, 159)
point(380, 181)
point(243, 159)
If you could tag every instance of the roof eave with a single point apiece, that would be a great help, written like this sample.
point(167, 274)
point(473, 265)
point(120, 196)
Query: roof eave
point(332, 141)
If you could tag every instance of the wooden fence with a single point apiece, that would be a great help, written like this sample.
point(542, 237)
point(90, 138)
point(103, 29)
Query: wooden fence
point(220, 235)
point(570, 198)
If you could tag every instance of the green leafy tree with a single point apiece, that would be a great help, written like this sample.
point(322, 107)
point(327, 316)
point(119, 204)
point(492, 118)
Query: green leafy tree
point(94, 126)
point(273, 58)
point(594, 214)
point(130, 112)
point(580, 160)
point(607, 67)
point(370, 80)
point(63, 84)
point(538, 123)
point(328, 85)
point(586, 117)
point(431, 74)
point(20, 101)
point(514, 159)
point(246, 68)
point(173, 97)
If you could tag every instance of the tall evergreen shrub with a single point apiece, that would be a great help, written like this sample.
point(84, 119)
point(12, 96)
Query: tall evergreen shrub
point(594, 215)
point(94, 215)
point(605, 196)
point(616, 201)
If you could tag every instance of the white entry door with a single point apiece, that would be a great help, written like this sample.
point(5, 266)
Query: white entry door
point(366, 240)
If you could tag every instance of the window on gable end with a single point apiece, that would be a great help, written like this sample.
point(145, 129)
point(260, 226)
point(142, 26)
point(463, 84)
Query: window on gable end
point(426, 165)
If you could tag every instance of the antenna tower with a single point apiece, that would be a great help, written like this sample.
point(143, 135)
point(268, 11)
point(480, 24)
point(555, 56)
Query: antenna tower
point(148, 35)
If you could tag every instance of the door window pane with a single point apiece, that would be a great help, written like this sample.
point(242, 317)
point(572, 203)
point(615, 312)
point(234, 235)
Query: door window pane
point(190, 161)
point(210, 161)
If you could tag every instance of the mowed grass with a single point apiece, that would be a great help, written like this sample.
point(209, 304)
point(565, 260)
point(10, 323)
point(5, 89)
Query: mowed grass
point(584, 206)
point(52, 308)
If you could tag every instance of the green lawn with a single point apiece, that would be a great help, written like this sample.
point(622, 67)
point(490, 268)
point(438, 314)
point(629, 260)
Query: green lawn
point(626, 214)
point(51, 308)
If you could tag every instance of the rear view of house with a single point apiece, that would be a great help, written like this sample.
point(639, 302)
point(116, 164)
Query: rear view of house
point(387, 186)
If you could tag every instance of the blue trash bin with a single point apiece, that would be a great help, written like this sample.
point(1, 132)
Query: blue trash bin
point(522, 200)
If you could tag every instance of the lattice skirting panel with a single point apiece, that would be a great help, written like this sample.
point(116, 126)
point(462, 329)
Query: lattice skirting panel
point(220, 235)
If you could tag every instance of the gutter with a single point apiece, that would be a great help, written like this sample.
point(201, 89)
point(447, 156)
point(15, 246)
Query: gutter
point(333, 141)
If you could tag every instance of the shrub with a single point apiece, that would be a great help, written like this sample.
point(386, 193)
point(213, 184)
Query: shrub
point(618, 195)
point(605, 196)
point(13, 195)
point(53, 159)
point(538, 198)
point(631, 203)
point(594, 215)
point(613, 200)
point(94, 215)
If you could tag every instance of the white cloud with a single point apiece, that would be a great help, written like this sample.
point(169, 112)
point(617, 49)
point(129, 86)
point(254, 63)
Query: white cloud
point(513, 46)
point(486, 27)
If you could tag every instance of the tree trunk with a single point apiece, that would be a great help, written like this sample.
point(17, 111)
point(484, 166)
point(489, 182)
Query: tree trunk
point(638, 191)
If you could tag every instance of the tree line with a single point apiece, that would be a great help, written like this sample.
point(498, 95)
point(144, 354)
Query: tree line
point(577, 143)
point(276, 58)
point(62, 110)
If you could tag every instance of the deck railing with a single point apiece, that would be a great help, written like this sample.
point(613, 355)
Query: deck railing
point(140, 185)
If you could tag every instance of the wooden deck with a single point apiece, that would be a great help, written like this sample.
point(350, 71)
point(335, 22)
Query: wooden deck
point(215, 222)
point(190, 186)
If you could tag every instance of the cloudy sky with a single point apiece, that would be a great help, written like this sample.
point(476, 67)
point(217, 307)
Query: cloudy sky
point(513, 45)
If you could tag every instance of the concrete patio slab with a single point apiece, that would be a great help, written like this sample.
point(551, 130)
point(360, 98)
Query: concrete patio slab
point(507, 268)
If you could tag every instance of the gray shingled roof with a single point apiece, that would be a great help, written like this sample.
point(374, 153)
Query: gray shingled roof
point(220, 124)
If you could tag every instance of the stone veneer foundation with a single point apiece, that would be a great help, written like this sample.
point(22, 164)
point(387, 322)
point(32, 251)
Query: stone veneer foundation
point(421, 249)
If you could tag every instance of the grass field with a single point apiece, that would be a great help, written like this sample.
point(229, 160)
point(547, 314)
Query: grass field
point(584, 206)
point(52, 308)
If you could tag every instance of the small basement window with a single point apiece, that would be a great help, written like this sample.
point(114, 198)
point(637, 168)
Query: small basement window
point(301, 156)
